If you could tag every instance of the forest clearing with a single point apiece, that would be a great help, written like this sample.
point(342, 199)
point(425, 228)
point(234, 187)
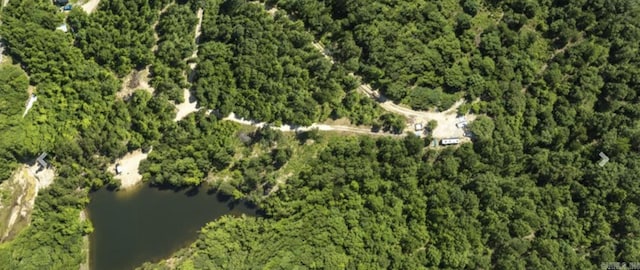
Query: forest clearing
point(90, 6)
point(23, 187)
point(307, 110)
point(137, 79)
point(125, 169)
point(190, 105)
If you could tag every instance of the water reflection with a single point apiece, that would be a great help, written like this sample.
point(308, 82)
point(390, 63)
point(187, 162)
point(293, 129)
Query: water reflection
point(150, 223)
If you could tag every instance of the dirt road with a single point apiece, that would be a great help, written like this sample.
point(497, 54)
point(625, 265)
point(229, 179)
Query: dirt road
point(446, 121)
point(190, 103)
point(324, 127)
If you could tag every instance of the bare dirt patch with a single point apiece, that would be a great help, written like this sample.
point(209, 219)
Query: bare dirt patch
point(128, 165)
point(21, 192)
point(90, 6)
point(323, 127)
point(447, 120)
point(137, 79)
point(85, 243)
point(189, 105)
point(323, 50)
point(30, 101)
point(340, 121)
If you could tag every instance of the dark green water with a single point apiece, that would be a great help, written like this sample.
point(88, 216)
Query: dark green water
point(148, 224)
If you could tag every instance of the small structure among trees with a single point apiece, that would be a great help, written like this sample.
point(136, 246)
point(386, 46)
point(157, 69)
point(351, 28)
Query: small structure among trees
point(41, 162)
point(60, 2)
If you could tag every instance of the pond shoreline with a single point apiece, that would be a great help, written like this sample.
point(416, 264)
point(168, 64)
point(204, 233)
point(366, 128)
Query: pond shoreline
point(149, 223)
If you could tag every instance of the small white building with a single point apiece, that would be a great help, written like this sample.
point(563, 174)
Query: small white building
point(450, 141)
point(419, 127)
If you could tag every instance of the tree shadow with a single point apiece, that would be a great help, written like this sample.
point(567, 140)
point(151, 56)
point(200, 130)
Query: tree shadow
point(193, 191)
point(163, 187)
point(222, 197)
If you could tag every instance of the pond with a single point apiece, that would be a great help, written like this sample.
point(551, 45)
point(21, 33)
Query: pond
point(149, 224)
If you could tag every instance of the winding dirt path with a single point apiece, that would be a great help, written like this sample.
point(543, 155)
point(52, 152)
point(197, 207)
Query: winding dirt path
point(190, 103)
point(555, 53)
point(196, 39)
point(324, 51)
point(446, 121)
point(153, 27)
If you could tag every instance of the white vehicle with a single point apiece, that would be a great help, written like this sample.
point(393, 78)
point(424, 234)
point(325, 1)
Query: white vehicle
point(450, 141)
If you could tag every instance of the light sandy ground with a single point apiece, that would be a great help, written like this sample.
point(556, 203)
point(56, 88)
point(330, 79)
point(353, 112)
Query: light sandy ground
point(272, 10)
point(199, 14)
point(324, 127)
point(447, 120)
point(324, 51)
point(85, 243)
point(29, 180)
point(530, 237)
point(129, 165)
point(29, 104)
point(196, 40)
point(134, 81)
point(189, 105)
point(21, 182)
point(1, 52)
point(90, 6)
point(44, 176)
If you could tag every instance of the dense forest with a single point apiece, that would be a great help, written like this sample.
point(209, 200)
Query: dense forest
point(118, 35)
point(389, 204)
point(13, 86)
point(557, 83)
point(77, 119)
point(176, 30)
point(265, 68)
